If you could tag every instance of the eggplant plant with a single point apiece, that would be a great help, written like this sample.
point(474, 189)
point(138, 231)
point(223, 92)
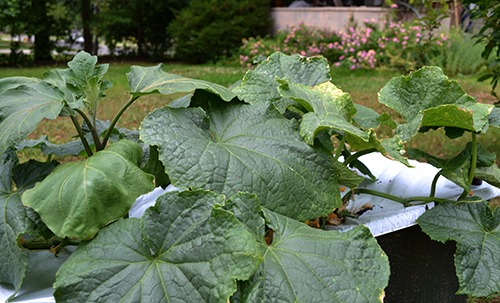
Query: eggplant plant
point(252, 163)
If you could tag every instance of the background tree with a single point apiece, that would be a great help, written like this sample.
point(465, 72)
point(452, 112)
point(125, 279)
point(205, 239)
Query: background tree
point(39, 18)
point(143, 22)
point(210, 29)
point(40, 26)
point(11, 21)
point(489, 12)
point(86, 9)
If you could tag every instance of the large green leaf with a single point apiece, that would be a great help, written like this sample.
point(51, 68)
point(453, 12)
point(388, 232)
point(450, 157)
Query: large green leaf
point(234, 147)
point(22, 107)
point(13, 221)
point(78, 198)
point(149, 80)
point(303, 264)
point(261, 84)
point(328, 108)
point(476, 229)
point(427, 97)
point(184, 249)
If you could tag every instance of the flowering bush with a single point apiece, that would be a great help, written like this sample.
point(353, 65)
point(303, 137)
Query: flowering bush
point(303, 40)
point(406, 46)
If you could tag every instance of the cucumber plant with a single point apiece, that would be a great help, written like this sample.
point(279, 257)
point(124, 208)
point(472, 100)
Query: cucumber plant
point(252, 164)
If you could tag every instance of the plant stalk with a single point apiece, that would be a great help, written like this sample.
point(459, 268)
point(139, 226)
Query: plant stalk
point(404, 201)
point(358, 154)
point(434, 184)
point(115, 120)
point(82, 136)
point(338, 152)
point(473, 164)
point(53, 245)
point(92, 129)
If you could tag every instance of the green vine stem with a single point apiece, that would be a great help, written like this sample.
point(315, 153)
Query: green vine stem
point(338, 152)
point(358, 154)
point(473, 164)
point(53, 244)
point(92, 129)
point(434, 184)
point(82, 136)
point(115, 120)
point(404, 201)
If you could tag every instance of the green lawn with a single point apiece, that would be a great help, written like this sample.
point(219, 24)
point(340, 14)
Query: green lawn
point(362, 85)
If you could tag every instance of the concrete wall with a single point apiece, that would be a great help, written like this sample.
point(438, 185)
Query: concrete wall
point(332, 18)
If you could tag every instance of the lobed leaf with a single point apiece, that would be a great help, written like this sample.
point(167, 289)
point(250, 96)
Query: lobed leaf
point(184, 249)
point(476, 229)
point(261, 84)
point(310, 265)
point(79, 198)
point(328, 108)
point(427, 97)
point(232, 147)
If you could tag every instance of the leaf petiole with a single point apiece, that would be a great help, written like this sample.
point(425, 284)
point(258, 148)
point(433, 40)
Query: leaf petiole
point(92, 129)
point(358, 154)
point(82, 136)
point(473, 164)
point(115, 120)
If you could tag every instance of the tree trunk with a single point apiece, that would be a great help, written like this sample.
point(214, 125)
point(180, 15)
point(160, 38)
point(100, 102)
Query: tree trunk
point(87, 31)
point(43, 46)
point(140, 29)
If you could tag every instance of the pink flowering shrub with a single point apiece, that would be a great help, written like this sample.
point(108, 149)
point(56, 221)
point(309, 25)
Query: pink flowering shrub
point(408, 45)
point(306, 41)
point(392, 44)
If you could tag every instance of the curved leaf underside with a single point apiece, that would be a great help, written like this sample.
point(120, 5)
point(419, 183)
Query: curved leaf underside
point(149, 80)
point(78, 198)
point(25, 102)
